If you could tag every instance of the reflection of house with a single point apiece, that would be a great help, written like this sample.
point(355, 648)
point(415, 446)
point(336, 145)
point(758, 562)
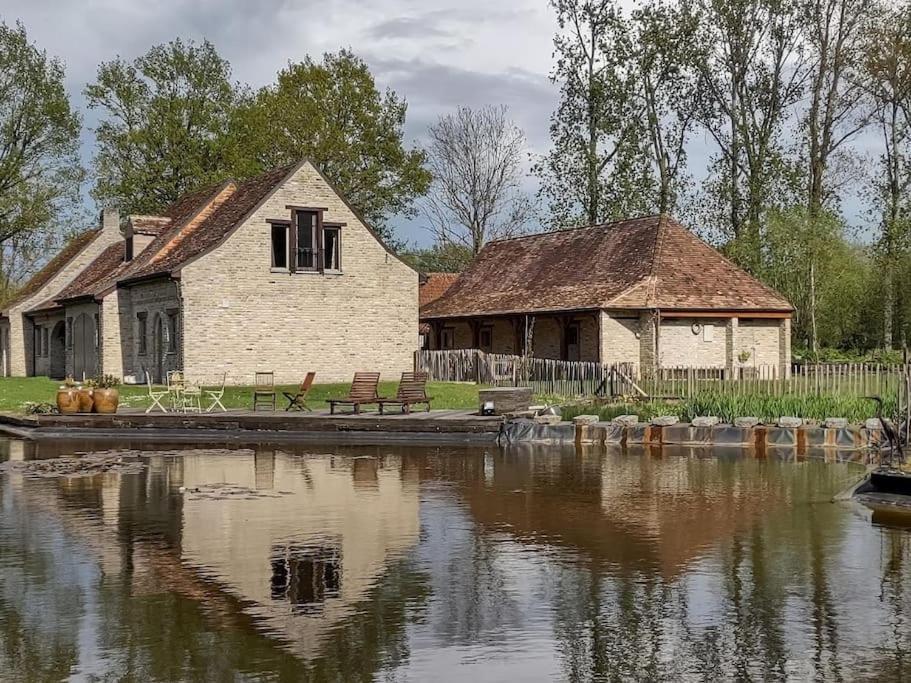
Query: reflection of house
point(645, 291)
point(273, 273)
point(301, 560)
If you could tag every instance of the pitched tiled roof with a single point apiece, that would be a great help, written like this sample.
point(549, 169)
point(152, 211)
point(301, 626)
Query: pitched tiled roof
point(108, 265)
point(650, 262)
point(54, 266)
point(175, 246)
point(435, 286)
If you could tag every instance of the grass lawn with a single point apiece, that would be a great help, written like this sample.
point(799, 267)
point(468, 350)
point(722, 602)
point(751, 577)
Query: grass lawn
point(17, 391)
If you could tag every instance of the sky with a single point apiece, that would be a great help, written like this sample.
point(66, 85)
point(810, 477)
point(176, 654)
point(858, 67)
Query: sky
point(437, 54)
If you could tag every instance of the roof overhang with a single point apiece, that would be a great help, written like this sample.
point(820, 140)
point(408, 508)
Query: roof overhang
point(151, 277)
point(507, 314)
point(665, 313)
point(723, 313)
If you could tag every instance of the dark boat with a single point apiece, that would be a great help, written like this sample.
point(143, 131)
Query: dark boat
point(890, 480)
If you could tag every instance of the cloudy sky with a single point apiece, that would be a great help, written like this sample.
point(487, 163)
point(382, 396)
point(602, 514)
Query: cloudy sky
point(438, 54)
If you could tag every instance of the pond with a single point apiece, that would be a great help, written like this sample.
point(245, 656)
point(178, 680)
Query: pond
point(406, 563)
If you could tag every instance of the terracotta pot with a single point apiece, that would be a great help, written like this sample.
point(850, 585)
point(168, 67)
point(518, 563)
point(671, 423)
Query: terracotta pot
point(68, 400)
point(106, 401)
point(85, 400)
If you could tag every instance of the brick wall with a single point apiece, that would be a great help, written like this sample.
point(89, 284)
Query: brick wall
point(155, 301)
point(620, 341)
point(240, 317)
point(759, 338)
point(21, 328)
point(678, 346)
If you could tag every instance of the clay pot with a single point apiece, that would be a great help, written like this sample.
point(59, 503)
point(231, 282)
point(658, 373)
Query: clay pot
point(67, 400)
point(85, 400)
point(106, 401)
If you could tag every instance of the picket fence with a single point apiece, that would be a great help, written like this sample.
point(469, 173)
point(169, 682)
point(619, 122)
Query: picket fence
point(580, 378)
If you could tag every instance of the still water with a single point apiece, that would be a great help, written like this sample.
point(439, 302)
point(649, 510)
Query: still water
point(395, 563)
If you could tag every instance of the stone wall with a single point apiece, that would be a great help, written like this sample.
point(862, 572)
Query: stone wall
point(154, 301)
point(759, 338)
point(21, 335)
point(4, 347)
point(620, 338)
point(678, 346)
point(240, 316)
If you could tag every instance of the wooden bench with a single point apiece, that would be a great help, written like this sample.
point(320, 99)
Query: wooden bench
point(363, 392)
point(412, 391)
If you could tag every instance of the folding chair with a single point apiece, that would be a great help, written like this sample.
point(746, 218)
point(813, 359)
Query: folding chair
point(155, 396)
point(298, 401)
point(215, 396)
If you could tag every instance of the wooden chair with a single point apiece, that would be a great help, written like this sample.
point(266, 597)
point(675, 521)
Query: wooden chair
point(264, 389)
point(412, 391)
point(298, 401)
point(363, 392)
point(155, 396)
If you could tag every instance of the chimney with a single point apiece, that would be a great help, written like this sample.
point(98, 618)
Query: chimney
point(110, 220)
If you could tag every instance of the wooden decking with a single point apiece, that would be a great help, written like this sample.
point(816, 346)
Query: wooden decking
point(449, 425)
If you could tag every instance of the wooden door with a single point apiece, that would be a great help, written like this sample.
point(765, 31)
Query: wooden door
point(85, 353)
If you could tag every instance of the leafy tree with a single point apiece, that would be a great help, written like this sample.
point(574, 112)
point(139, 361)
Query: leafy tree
point(333, 114)
point(887, 66)
point(667, 90)
point(39, 132)
point(443, 257)
point(753, 71)
point(598, 168)
point(165, 125)
point(476, 195)
point(826, 278)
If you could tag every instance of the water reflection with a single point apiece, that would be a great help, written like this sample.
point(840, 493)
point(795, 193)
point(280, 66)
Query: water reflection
point(405, 563)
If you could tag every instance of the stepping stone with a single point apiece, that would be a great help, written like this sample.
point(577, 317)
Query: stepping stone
point(626, 420)
point(585, 419)
point(872, 424)
point(665, 420)
point(746, 422)
point(836, 422)
point(705, 421)
point(789, 422)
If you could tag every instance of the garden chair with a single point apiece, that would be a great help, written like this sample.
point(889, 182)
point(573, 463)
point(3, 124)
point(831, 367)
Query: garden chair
point(412, 391)
point(191, 398)
point(363, 392)
point(214, 396)
point(175, 384)
point(298, 401)
point(155, 395)
point(264, 390)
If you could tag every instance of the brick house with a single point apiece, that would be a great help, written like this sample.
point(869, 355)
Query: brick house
point(277, 273)
point(644, 291)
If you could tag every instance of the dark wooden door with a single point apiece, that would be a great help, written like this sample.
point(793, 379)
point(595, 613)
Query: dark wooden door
point(85, 354)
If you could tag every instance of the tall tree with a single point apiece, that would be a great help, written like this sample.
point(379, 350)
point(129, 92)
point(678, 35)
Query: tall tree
point(165, 124)
point(39, 133)
point(667, 89)
point(333, 114)
point(598, 168)
point(753, 73)
point(836, 34)
point(888, 79)
point(475, 157)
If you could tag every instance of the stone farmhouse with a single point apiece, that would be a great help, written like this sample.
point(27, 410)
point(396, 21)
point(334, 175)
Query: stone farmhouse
point(277, 273)
point(645, 292)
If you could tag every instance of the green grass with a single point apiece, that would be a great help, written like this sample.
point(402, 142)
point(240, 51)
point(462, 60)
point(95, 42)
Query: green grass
point(15, 392)
point(766, 408)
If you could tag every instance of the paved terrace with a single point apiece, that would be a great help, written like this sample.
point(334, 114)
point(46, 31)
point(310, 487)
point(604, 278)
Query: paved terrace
point(451, 426)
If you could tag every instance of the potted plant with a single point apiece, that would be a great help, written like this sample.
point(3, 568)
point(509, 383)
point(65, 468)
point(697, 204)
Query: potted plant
point(106, 395)
point(84, 394)
point(68, 397)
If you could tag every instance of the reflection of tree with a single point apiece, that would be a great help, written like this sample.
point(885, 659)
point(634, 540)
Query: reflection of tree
point(896, 547)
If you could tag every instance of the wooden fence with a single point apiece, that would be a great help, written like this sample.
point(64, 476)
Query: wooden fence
point(568, 378)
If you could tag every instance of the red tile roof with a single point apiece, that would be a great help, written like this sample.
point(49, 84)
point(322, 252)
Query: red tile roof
point(54, 266)
point(435, 286)
point(108, 265)
point(650, 262)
